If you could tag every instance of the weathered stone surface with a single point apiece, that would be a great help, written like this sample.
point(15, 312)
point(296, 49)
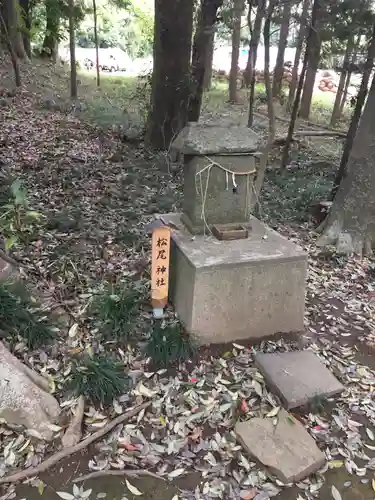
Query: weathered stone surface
point(209, 197)
point(286, 448)
point(198, 139)
point(229, 290)
point(23, 402)
point(297, 377)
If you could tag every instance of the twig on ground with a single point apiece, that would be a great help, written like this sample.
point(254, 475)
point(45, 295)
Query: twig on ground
point(125, 472)
point(60, 455)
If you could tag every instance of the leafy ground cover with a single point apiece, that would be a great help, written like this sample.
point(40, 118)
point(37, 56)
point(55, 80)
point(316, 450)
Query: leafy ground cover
point(96, 193)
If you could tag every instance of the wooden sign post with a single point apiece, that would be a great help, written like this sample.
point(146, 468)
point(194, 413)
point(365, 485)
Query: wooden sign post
point(161, 244)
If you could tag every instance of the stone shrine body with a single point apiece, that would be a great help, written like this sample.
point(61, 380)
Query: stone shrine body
point(231, 276)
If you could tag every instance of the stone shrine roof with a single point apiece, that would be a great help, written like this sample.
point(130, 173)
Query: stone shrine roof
point(198, 139)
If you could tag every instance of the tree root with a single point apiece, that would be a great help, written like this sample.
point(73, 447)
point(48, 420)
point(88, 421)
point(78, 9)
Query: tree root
point(125, 472)
point(60, 455)
point(346, 242)
point(73, 434)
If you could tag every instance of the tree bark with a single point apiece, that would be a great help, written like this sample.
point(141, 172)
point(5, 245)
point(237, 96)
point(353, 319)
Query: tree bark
point(96, 43)
point(72, 48)
point(303, 31)
point(252, 59)
point(170, 79)
point(293, 118)
point(361, 98)
point(313, 47)
point(350, 224)
point(345, 93)
point(14, 28)
point(26, 16)
point(236, 40)
point(340, 89)
point(207, 81)
point(203, 43)
point(270, 104)
point(13, 55)
point(51, 38)
point(283, 41)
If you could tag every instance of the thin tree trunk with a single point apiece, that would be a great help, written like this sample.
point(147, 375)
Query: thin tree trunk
point(253, 52)
point(72, 47)
point(209, 62)
point(303, 31)
point(171, 75)
point(26, 32)
point(340, 90)
point(14, 28)
point(96, 43)
point(13, 55)
point(51, 38)
point(345, 93)
point(283, 41)
point(236, 40)
point(350, 225)
point(297, 99)
point(361, 98)
point(204, 34)
point(270, 104)
point(313, 47)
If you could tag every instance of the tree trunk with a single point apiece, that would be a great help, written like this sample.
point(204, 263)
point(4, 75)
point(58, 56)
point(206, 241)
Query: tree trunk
point(170, 79)
point(270, 104)
point(303, 31)
point(96, 43)
point(207, 81)
point(203, 42)
point(283, 41)
point(293, 118)
point(51, 38)
point(72, 48)
point(253, 52)
point(26, 32)
point(345, 93)
point(340, 90)
point(13, 55)
point(351, 223)
point(313, 47)
point(236, 40)
point(14, 28)
point(361, 98)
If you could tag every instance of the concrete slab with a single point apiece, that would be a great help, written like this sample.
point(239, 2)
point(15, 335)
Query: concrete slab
point(198, 139)
point(229, 290)
point(286, 448)
point(297, 377)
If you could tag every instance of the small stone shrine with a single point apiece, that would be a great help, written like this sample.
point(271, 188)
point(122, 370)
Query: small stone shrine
point(231, 276)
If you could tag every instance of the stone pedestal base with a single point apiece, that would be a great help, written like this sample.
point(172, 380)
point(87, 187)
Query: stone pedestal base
point(228, 290)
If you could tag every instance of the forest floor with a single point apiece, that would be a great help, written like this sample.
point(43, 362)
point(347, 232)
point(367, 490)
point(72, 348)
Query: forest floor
point(96, 193)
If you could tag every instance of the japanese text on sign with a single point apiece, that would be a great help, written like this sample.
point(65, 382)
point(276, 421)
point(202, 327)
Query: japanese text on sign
point(160, 266)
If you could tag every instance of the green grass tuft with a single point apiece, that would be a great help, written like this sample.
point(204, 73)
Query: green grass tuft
point(99, 379)
point(169, 344)
point(20, 317)
point(115, 310)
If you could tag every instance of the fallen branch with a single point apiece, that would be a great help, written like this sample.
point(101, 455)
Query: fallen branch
point(125, 472)
point(321, 133)
point(60, 455)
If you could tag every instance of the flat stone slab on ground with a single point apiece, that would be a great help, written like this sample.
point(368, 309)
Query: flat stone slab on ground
point(286, 448)
point(297, 377)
